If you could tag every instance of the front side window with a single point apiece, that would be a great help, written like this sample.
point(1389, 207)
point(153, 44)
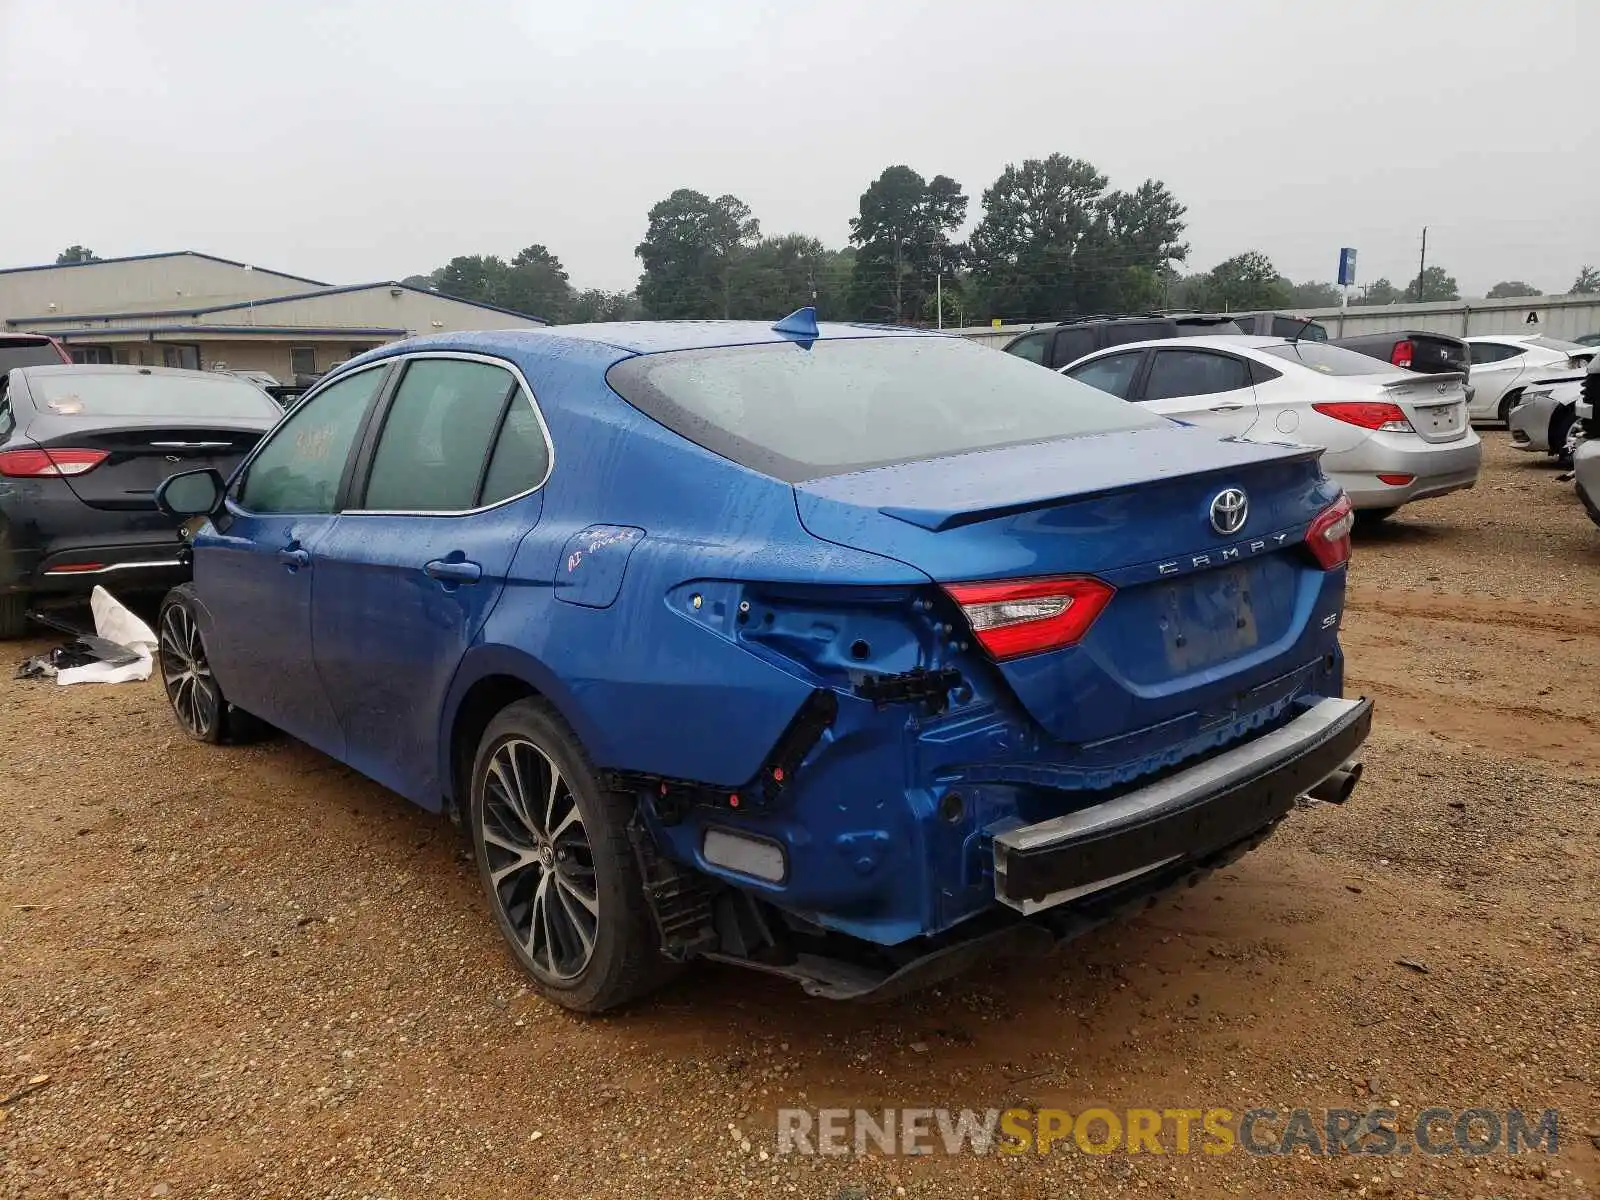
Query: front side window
point(1177, 373)
point(798, 411)
point(1112, 374)
point(434, 449)
point(1073, 344)
point(299, 468)
point(1032, 347)
point(1123, 332)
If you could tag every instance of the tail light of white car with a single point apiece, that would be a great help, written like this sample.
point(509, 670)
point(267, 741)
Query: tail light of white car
point(1369, 414)
point(1329, 535)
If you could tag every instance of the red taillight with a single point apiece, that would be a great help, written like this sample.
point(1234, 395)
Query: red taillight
point(1403, 352)
point(1025, 616)
point(1329, 535)
point(1369, 414)
point(36, 464)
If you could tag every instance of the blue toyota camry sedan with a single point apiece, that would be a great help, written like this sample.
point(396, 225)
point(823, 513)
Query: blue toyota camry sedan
point(846, 653)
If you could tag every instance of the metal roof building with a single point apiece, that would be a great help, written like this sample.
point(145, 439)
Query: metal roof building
point(187, 309)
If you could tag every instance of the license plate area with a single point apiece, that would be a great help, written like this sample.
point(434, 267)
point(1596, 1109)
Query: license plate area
point(1207, 618)
point(1439, 418)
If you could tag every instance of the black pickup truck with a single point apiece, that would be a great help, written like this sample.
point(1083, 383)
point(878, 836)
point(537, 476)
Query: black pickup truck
point(1413, 349)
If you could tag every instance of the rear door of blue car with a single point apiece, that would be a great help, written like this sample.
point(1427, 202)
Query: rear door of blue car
point(445, 489)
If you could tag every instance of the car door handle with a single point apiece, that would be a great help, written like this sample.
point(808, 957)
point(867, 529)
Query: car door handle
point(453, 571)
point(294, 558)
point(1226, 408)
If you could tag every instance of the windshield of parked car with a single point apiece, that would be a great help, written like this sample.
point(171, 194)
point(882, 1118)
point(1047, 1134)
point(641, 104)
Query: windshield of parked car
point(70, 393)
point(1329, 360)
point(801, 410)
point(34, 353)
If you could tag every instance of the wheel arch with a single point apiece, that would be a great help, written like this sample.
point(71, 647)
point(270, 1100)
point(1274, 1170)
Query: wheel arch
point(489, 679)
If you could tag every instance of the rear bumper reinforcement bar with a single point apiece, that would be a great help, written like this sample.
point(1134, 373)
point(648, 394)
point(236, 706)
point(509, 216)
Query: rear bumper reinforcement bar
point(1184, 816)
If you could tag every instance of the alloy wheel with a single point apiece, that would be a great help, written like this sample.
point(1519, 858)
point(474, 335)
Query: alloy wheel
point(541, 866)
point(186, 674)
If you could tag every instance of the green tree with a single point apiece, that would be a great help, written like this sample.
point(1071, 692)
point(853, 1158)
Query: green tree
point(1245, 281)
point(1436, 285)
point(76, 254)
point(689, 253)
point(1054, 242)
point(475, 277)
point(776, 276)
point(536, 283)
point(1588, 281)
point(1309, 294)
point(902, 233)
point(1379, 291)
point(594, 304)
point(1508, 288)
point(425, 282)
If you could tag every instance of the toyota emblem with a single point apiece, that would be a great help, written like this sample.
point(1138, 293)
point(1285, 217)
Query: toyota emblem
point(1229, 510)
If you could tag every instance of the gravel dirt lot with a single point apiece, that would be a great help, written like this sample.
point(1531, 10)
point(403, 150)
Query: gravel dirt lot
point(248, 972)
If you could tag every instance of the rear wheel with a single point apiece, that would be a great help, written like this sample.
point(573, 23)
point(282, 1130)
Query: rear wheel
point(192, 690)
point(1507, 403)
point(557, 866)
point(13, 616)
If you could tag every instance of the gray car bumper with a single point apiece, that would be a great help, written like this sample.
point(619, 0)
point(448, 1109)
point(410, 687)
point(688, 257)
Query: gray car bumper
point(1586, 473)
point(1530, 423)
point(1435, 468)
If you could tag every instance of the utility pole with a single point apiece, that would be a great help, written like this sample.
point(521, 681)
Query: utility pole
point(1422, 266)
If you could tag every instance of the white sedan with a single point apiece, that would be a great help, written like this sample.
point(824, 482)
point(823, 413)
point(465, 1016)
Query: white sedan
point(1504, 364)
point(1391, 436)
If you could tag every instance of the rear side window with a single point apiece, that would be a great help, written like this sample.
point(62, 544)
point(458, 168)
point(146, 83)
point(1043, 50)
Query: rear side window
point(1123, 332)
point(128, 393)
point(521, 457)
point(1031, 347)
point(1194, 373)
point(1329, 360)
point(1112, 374)
point(300, 467)
point(437, 434)
point(1493, 352)
point(1073, 344)
point(798, 411)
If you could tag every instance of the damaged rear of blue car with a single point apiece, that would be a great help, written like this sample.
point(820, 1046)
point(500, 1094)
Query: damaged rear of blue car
point(848, 654)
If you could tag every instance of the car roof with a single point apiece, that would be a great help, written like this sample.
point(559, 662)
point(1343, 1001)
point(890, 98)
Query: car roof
point(53, 370)
point(1209, 341)
point(658, 337)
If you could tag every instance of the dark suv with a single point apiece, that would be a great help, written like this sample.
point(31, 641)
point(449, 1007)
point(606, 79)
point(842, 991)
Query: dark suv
point(1058, 345)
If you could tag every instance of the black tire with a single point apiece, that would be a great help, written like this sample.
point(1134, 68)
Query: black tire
point(193, 693)
point(596, 946)
point(13, 616)
point(1507, 403)
point(1371, 518)
point(1560, 425)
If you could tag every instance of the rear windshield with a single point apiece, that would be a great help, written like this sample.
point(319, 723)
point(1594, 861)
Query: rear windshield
point(1557, 344)
point(131, 394)
point(1294, 327)
point(1329, 360)
point(26, 354)
point(800, 411)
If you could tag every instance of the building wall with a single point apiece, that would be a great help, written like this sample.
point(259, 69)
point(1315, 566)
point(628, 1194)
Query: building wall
point(177, 281)
point(273, 356)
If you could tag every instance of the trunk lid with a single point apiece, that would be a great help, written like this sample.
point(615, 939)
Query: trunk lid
point(1435, 404)
point(1199, 618)
point(139, 458)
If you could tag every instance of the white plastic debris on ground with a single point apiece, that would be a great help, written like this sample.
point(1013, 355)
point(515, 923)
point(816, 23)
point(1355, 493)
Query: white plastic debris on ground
point(115, 623)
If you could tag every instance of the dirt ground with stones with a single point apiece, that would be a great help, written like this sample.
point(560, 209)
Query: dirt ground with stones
point(248, 972)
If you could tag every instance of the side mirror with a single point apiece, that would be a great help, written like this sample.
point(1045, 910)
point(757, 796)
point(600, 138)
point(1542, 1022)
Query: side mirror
point(191, 494)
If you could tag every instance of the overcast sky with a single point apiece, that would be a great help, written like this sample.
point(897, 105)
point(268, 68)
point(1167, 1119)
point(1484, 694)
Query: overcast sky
point(353, 140)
